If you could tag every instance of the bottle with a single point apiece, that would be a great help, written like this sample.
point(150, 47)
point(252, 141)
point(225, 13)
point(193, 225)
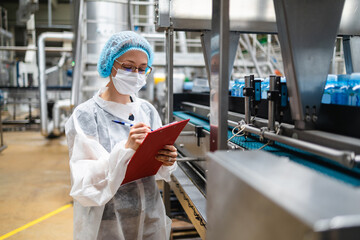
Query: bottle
point(235, 88)
point(241, 87)
point(344, 93)
point(329, 86)
point(354, 91)
point(264, 88)
point(326, 98)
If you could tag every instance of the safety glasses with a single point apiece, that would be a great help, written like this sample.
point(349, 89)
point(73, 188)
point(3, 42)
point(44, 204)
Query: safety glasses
point(131, 68)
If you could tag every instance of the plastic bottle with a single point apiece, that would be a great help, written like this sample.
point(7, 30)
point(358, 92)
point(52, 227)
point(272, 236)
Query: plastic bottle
point(354, 91)
point(235, 88)
point(329, 86)
point(241, 87)
point(264, 88)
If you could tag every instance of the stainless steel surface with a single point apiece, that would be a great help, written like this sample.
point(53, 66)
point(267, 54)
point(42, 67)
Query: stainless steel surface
point(214, 78)
point(247, 101)
point(271, 109)
point(162, 14)
point(262, 196)
point(47, 36)
point(78, 69)
point(345, 158)
point(255, 16)
point(187, 145)
point(169, 74)
point(224, 73)
point(102, 20)
point(169, 96)
point(307, 49)
point(191, 199)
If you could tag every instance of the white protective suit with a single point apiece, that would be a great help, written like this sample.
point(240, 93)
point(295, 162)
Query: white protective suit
point(98, 160)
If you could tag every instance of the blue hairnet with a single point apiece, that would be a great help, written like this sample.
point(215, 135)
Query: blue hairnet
point(117, 45)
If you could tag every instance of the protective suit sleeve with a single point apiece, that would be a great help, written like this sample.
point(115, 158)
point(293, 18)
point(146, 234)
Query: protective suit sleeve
point(96, 174)
point(165, 172)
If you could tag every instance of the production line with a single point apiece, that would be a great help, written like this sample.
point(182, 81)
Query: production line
point(303, 183)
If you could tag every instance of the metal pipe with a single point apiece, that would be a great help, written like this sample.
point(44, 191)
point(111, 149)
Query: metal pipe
point(169, 75)
point(47, 36)
point(345, 158)
point(247, 101)
point(271, 108)
point(223, 98)
point(75, 88)
point(60, 104)
point(23, 49)
point(49, 13)
point(5, 33)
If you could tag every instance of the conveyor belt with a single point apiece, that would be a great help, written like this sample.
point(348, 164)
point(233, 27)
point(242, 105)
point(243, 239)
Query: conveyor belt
point(319, 164)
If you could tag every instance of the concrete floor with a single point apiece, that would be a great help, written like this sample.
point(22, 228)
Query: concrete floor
point(34, 181)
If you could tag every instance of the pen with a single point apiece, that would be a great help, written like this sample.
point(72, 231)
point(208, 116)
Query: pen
point(125, 123)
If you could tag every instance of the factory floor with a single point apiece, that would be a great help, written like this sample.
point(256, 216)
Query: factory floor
point(34, 182)
point(34, 188)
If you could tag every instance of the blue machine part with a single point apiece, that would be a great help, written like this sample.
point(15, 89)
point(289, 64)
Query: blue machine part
point(284, 95)
point(319, 164)
point(257, 89)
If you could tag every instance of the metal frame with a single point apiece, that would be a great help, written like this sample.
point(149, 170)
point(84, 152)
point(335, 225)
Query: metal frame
point(263, 196)
point(47, 36)
point(255, 16)
point(307, 49)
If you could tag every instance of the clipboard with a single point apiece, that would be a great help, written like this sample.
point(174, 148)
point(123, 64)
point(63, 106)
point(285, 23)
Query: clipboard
point(143, 162)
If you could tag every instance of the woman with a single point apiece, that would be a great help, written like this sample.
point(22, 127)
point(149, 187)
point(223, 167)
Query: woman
point(101, 149)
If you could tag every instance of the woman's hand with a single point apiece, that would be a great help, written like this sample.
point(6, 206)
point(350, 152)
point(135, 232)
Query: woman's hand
point(167, 155)
point(136, 136)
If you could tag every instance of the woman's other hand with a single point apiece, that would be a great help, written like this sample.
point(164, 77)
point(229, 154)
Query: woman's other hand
point(167, 155)
point(136, 136)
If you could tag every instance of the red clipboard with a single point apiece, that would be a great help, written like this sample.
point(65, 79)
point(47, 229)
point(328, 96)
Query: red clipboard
point(143, 163)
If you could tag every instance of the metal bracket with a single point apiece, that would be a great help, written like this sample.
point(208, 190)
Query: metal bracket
point(199, 134)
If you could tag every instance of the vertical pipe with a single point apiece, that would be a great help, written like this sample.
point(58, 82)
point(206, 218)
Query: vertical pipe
point(47, 36)
point(49, 13)
point(77, 79)
point(347, 55)
point(223, 99)
point(169, 73)
point(271, 109)
point(169, 113)
point(247, 101)
point(333, 64)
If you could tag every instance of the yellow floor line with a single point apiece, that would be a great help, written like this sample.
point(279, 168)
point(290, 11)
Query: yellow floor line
point(9, 234)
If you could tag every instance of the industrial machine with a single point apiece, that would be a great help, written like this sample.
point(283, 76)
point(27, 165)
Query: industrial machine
point(301, 179)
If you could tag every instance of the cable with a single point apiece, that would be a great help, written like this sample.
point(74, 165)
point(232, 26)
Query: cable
point(242, 128)
point(266, 144)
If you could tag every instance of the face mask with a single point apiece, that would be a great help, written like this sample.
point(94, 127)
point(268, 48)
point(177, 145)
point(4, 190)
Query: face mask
point(128, 83)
